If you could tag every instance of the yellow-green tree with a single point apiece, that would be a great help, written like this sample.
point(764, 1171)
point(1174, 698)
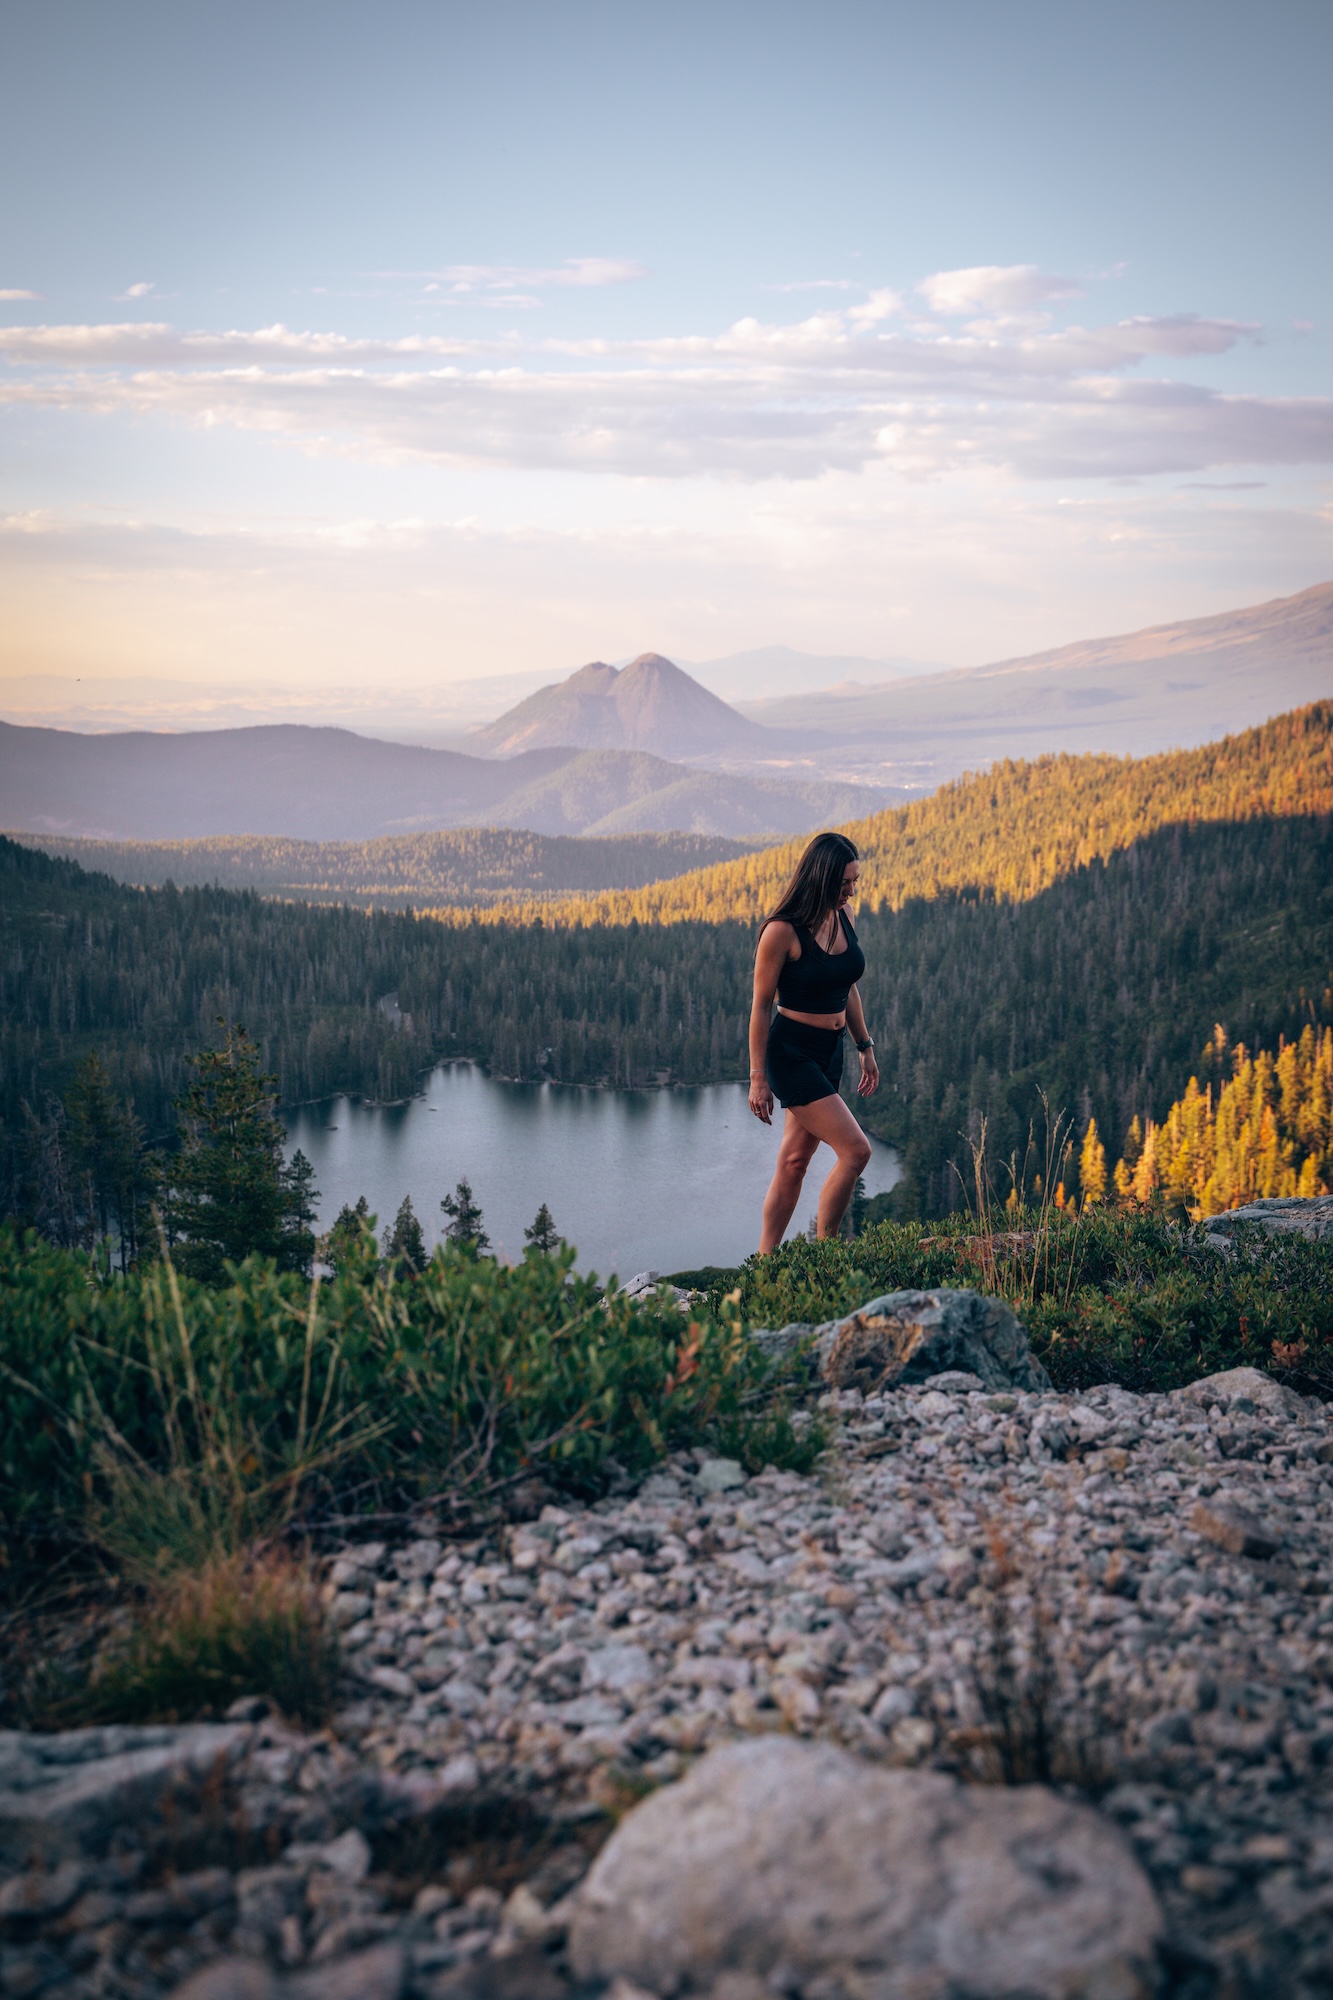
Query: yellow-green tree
point(1266, 1131)
point(1092, 1174)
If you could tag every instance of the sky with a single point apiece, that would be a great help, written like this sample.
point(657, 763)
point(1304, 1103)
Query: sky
point(386, 346)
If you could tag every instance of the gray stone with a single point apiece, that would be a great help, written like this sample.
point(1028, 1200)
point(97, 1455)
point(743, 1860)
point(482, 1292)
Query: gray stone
point(781, 1343)
point(908, 1337)
point(69, 1792)
point(795, 1860)
point(377, 1974)
point(418, 1559)
point(1233, 1384)
point(626, 1670)
point(393, 1681)
point(1234, 1529)
point(230, 1979)
point(955, 1382)
point(347, 1857)
point(42, 1892)
point(718, 1475)
point(1277, 1215)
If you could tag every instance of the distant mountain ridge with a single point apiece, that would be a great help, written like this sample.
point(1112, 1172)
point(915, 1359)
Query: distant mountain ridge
point(469, 866)
point(1136, 693)
point(648, 705)
point(329, 784)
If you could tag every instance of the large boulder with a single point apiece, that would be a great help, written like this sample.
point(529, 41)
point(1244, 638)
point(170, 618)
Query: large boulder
point(796, 1862)
point(907, 1337)
point(1277, 1215)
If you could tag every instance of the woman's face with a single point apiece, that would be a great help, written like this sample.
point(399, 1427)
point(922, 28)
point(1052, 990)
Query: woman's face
point(850, 875)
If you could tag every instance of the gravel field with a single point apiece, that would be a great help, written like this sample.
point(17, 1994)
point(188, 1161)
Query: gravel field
point(1130, 1593)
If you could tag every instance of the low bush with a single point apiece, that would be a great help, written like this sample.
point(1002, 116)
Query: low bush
point(174, 1422)
point(1136, 1299)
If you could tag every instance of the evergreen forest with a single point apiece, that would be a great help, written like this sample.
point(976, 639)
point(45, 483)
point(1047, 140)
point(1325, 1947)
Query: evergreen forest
point(465, 867)
point(1078, 927)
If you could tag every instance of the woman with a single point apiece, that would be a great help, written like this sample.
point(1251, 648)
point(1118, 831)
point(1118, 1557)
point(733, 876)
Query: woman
point(809, 958)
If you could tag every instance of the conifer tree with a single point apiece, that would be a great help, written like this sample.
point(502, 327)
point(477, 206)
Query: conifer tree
point(230, 1195)
point(1092, 1166)
point(404, 1244)
point(352, 1232)
point(465, 1228)
point(542, 1234)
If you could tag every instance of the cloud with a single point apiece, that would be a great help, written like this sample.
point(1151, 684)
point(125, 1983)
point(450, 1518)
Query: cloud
point(879, 306)
point(14, 295)
point(580, 272)
point(841, 390)
point(139, 291)
point(999, 288)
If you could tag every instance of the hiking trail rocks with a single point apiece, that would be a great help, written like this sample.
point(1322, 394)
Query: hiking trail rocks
point(575, 1662)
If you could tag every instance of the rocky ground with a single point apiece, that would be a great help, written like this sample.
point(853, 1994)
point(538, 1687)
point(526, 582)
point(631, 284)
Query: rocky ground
point(1130, 1595)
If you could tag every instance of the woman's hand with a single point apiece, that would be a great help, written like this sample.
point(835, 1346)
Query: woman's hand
point(761, 1099)
point(869, 1073)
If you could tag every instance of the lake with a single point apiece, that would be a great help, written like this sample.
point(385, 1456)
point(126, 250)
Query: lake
point(637, 1180)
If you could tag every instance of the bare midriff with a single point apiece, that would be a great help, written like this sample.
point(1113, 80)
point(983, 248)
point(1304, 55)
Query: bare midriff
point(814, 1020)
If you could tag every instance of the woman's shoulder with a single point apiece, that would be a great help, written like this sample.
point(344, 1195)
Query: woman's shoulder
point(778, 931)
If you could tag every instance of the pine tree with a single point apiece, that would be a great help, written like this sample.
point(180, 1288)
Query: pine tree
point(298, 1180)
point(404, 1244)
point(465, 1228)
point(1092, 1166)
point(230, 1195)
point(542, 1234)
point(352, 1233)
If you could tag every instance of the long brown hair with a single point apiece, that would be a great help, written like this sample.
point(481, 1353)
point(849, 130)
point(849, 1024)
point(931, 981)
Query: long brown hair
point(814, 889)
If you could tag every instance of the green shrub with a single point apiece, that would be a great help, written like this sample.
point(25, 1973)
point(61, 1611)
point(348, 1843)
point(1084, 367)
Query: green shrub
point(173, 1421)
point(1136, 1299)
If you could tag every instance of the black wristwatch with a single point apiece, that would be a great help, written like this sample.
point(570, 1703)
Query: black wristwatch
point(868, 1043)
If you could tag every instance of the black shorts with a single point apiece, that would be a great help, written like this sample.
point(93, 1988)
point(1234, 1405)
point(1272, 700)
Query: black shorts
point(803, 1063)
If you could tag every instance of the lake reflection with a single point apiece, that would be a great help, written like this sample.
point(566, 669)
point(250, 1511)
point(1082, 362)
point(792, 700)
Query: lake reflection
point(636, 1179)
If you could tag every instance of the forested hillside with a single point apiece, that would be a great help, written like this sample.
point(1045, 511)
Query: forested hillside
point(1017, 828)
point(468, 867)
point(1102, 988)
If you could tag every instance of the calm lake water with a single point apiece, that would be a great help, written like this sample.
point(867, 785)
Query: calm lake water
point(636, 1179)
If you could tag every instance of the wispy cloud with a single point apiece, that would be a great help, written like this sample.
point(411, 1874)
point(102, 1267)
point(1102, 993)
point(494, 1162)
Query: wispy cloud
point(1000, 288)
point(580, 272)
point(843, 389)
point(139, 291)
point(14, 294)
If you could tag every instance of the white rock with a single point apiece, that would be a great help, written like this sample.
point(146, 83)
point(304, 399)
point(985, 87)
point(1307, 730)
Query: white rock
point(781, 1857)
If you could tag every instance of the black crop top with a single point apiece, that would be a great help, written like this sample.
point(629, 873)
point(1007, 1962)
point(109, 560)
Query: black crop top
point(819, 981)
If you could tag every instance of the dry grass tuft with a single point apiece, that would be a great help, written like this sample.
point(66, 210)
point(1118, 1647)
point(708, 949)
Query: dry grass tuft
point(1035, 1729)
point(243, 1625)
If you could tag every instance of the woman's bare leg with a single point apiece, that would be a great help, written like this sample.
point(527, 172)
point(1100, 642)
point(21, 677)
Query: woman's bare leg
point(829, 1120)
point(795, 1151)
point(805, 1127)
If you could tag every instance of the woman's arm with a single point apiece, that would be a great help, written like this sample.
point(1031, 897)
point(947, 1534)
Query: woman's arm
point(774, 945)
point(856, 1021)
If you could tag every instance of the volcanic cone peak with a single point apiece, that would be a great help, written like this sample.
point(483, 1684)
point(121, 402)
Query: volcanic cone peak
point(649, 705)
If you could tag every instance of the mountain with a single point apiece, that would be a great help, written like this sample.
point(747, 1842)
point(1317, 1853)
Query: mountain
point(648, 705)
point(328, 784)
point(768, 672)
point(1012, 832)
point(1164, 687)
